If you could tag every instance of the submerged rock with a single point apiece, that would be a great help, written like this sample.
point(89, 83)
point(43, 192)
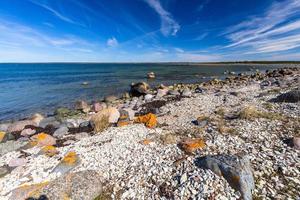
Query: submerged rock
point(235, 169)
point(151, 75)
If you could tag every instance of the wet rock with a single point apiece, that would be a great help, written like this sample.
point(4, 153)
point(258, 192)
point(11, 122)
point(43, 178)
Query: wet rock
point(149, 120)
point(69, 161)
point(151, 75)
point(42, 139)
point(139, 89)
point(110, 99)
point(82, 106)
point(60, 132)
point(148, 97)
point(235, 169)
point(186, 93)
point(17, 162)
point(73, 123)
point(37, 118)
point(289, 97)
point(189, 145)
point(28, 132)
point(19, 125)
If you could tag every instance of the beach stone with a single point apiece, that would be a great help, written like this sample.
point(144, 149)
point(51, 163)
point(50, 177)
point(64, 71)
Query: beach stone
point(3, 137)
point(110, 99)
point(173, 92)
point(151, 75)
point(19, 125)
point(49, 121)
point(82, 106)
point(148, 97)
point(131, 113)
point(16, 162)
point(26, 191)
point(62, 112)
point(296, 142)
point(85, 185)
point(72, 123)
point(186, 93)
point(98, 106)
point(126, 95)
point(150, 120)
point(10, 146)
point(289, 97)
point(138, 89)
point(79, 136)
point(4, 170)
point(161, 93)
point(48, 151)
point(235, 169)
point(42, 139)
point(123, 119)
point(114, 115)
point(4, 127)
point(202, 121)
point(28, 132)
point(60, 132)
point(189, 145)
point(37, 118)
point(199, 90)
point(69, 161)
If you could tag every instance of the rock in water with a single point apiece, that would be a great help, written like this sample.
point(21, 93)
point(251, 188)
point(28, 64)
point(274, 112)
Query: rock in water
point(151, 75)
point(289, 97)
point(139, 89)
point(235, 169)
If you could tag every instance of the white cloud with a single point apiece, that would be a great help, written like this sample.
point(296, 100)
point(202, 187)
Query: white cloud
point(168, 25)
point(112, 42)
point(276, 29)
point(179, 50)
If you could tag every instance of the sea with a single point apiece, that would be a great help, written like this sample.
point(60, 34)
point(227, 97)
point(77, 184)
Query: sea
point(42, 87)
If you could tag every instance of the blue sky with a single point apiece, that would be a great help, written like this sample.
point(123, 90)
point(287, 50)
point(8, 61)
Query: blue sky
point(148, 30)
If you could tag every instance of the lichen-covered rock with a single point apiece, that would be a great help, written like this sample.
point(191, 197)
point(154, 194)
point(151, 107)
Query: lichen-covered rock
point(235, 169)
point(189, 145)
point(26, 191)
point(69, 161)
point(48, 151)
point(2, 136)
point(42, 139)
point(149, 120)
point(289, 97)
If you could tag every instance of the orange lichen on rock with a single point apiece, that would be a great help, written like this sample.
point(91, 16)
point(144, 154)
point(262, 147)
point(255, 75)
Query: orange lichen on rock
point(49, 150)
point(146, 141)
point(42, 139)
point(26, 191)
point(2, 135)
point(190, 145)
point(149, 120)
point(70, 158)
point(122, 123)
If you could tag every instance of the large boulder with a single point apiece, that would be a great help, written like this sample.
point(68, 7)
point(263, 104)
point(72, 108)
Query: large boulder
point(234, 168)
point(139, 89)
point(289, 97)
point(80, 185)
point(19, 125)
point(102, 119)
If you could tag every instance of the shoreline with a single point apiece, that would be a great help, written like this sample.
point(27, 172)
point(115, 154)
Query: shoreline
point(161, 155)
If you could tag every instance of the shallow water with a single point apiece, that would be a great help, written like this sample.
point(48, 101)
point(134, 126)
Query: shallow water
point(30, 88)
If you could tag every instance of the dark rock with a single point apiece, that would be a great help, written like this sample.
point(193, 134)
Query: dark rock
point(151, 75)
point(139, 89)
point(289, 97)
point(152, 107)
point(235, 169)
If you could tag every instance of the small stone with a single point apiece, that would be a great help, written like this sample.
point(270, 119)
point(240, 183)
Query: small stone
point(83, 106)
point(79, 136)
point(296, 142)
point(161, 93)
point(28, 132)
point(146, 141)
point(4, 127)
point(139, 89)
point(148, 97)
point(37, 118)
point(173, 92)
point(183, 178)
point(98, 106)
point(4, 170)
point(151, 75)
point(17, 162)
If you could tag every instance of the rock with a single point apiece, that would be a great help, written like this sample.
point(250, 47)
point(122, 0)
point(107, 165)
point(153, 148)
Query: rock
point(69, 161)
point(25, 191)
point(168, 139)
point(130, 112)
point(73, 123)
point(289, 97)
point(16, 162)
point(139, 89)
point(85, 185)
point(202, 121)
point(100, 121)
point(173, 92)
point(82, 106)
point(62, 112)
point(49, 121)
point(296, 142)
point(62, 131)
point(148, 97)
point(123, 119)
point(19, 125)
point(42, 139)
point(3, 137)
point(4, 127)
point(110, 99)
point(11, 146)
point(4, 170)
point(37, 118)
point(199, 90)
point(48, 151)
point(161, 93)
point(183, 178)
point(190, 145)
point(146, 142)
point(149, 120)
point(98, 107)
point(186, 93)
point(126, 95)
point(235, 169)
point(85, 83)
point(151, 75)
point(28, 132)
point(79, 136)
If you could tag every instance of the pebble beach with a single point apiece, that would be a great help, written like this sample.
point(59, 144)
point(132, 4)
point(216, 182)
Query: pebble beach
point(235, 138)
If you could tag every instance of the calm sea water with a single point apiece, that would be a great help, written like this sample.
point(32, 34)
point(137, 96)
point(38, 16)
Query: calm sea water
point(30, 88)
